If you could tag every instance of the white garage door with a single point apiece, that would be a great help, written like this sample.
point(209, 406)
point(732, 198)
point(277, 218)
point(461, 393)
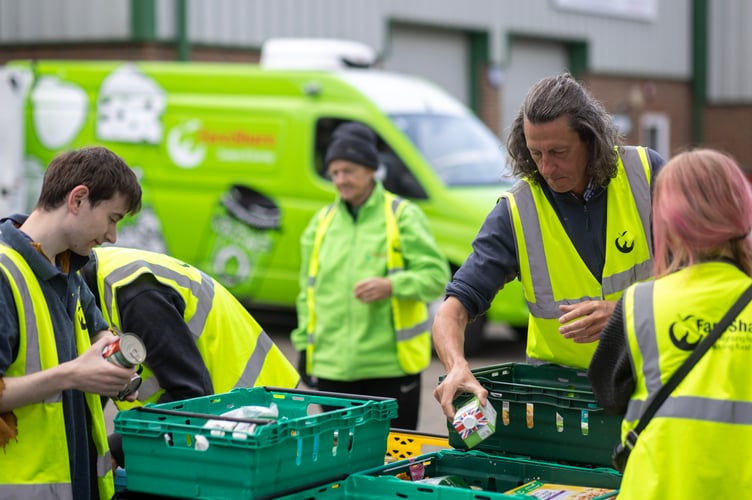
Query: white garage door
point(439, 55)
point(529, 61)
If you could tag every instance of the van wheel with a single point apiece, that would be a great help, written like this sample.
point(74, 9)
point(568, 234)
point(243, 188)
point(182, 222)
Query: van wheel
point(475, 338)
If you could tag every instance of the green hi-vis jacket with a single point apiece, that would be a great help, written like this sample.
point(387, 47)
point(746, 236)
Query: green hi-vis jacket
point(349, 340)
point(36, 465)
point(234, 347)
point(552, 272)
point(697, 443)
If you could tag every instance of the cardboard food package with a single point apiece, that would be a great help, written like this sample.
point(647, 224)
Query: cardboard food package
point(474, 422)
point(552, 491)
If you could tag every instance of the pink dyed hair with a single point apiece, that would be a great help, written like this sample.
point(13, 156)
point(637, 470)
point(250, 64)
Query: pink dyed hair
point(702, 210)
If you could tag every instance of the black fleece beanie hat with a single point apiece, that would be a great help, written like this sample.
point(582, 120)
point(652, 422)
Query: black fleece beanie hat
point(353, 142)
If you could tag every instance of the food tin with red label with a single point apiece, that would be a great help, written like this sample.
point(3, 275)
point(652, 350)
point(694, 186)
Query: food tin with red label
point(127, 351)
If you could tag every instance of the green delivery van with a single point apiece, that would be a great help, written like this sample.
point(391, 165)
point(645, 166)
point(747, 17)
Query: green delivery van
point(230, 158)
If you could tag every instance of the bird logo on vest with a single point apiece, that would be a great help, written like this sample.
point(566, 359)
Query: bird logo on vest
point(81, 318)
point(683, 331)
point(624, 242)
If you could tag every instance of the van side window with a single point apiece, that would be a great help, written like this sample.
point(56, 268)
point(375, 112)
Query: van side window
point(393, 173)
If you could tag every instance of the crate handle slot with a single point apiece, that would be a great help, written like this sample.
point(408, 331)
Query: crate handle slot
point(206, 416)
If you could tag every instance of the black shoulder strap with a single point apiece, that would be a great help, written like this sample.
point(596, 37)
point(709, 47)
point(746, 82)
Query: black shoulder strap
point(691, 360)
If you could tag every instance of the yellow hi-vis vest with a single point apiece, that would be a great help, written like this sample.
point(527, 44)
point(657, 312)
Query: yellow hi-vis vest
point(696, 444)
point(236, 350)
point(410, 317)
point(36, 464)
point(552, 272)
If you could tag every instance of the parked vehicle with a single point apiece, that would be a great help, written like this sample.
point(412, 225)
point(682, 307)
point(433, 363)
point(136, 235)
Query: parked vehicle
point(230, 156)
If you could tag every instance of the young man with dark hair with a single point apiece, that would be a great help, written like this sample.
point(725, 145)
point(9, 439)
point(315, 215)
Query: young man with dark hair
point(52, 372)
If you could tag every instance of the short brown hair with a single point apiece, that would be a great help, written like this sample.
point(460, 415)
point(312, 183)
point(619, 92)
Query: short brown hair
point(97, 168)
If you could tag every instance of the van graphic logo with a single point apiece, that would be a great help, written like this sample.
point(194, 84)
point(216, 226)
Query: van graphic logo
point(56, 125)
point(624, 242)
point(685, 334)
point(129, 107)
point(183, 145)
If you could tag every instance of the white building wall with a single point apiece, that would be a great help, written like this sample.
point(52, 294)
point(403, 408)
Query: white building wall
point(63, 20)
point(440, 55)
point(621, 45)
point(654, 46)
point(659, 47)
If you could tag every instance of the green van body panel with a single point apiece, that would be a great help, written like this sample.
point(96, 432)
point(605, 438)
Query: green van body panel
point(227, 155)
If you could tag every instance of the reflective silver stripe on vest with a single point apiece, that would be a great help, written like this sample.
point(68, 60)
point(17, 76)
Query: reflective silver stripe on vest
point(329, 208)
point(58, 491)
point(409, 333)
point(646, 341)
point(33, 357)
point(205, 296)
point(203, 291)
point(711, 410)
point(638, 183)
point(395, 206)
point(104, 464)
point(546, 309)
point(692, 407)
point(256, 362)
point(620, 281)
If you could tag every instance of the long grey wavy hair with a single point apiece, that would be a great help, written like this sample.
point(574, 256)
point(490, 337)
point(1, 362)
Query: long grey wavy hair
point(557, 96)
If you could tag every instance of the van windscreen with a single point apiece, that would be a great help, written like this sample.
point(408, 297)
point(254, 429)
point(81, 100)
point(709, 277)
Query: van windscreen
point(461, 150)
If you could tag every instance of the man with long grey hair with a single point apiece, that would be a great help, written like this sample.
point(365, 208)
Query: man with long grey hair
point(575, 230)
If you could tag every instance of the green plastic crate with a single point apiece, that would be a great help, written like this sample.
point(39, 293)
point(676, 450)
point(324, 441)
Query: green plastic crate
point(493, 474)
point(545, 412)
point(304, 447)
point(336, 490)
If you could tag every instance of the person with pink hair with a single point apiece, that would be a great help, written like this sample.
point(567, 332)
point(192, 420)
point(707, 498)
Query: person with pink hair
point(695, 445)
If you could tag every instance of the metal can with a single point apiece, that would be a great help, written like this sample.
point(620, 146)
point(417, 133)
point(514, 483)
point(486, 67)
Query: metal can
point(127, 351)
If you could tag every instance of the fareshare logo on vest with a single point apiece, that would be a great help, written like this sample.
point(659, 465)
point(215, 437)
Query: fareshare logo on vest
point(624, 242)
point(688, 332)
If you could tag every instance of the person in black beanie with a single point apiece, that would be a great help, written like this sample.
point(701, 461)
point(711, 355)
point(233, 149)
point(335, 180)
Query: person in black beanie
point(354, 142)
point(369, 267)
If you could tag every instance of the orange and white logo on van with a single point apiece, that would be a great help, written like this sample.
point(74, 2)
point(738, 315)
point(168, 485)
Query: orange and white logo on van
point(189, 143)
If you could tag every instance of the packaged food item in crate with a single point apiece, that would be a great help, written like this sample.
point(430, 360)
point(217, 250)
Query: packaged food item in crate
point(239, 429)
point(171, 451)
point(549, 491)
point(474, 422)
